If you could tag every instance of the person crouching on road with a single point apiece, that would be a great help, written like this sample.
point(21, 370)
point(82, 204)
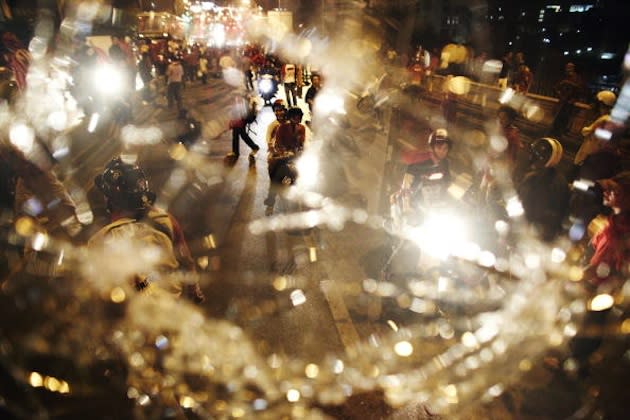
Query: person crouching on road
point(135, 220)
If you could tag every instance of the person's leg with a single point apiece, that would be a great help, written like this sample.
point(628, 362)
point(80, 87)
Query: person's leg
point(178, 94)
point(248, 140)
point(170, 96)
point(235, 142)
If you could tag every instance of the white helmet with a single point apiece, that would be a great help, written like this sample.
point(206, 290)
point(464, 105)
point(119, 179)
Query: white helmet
point(607, 97)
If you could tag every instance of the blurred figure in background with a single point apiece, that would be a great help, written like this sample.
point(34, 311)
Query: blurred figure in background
point(544, 191)
point(569, 90)
point(605, 100)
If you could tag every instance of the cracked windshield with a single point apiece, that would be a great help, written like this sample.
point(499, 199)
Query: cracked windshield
point(314, 209)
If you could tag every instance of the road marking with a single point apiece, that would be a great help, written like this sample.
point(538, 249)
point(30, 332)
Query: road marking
point(345, 328)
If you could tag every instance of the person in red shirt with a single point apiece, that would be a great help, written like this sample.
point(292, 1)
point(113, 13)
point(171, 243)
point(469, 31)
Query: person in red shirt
point(287, 146)
point(611, 245)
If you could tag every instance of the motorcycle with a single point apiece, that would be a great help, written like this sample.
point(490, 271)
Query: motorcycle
point(267, 87)
point(102, 91)
point(426, 225)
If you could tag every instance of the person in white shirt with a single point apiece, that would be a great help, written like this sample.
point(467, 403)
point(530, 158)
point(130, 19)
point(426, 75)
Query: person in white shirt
point(289, 82)
point(174, 76)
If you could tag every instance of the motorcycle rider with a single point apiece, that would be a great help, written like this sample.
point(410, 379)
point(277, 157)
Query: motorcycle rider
point(286, 147)
point(424, 184)
point(133, 217)
point(431, 165)
point(544, 191)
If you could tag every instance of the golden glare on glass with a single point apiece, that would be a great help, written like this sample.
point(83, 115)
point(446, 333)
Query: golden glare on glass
point(555, 339)
point(450, 393)
point(220, 405)
point(36, 380)
point(601, 302)
point(209, 242)
point(293, 395)
point(203, 262)
point(575, 273)
point(280, 283)
point(51, 383)
point(312, 254)
point(403, 348)
point(117, 295)
point(25, 226)
point(625, 326)
point(459, 85)
point(392, 325)
point(177, 151)
point(64, 387)
point(186, 401)
point(238, 412)
point(469, 340)
point(311, 370)
point(525, 365)
point(534, 113)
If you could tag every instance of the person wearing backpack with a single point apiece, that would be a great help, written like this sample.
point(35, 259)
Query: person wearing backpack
point(243, 113)
point(138, 226)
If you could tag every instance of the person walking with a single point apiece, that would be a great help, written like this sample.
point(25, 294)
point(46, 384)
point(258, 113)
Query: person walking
point(174, 77)
point(288, 78)
point(243, 113)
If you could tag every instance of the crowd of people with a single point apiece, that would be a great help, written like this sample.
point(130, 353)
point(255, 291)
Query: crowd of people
point(556, 202)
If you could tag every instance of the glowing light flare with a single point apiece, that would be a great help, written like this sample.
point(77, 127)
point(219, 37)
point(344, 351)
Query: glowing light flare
point(403, 348)
point(498, 144)
point(469, 340)
point(265, 86)
point(308, 168)
point(22, 136)
point(514, 207)
point(293, 395)
point(601, 302)
point(330, 102)
point(93, 122)
point(298, 298)
point(533, 112)
point(558, 255)
point(39, 241)
point(36, 380)
point(57, 120)
point(117, 295)
point(187, 402)
point(108, 80)
point(441, 234)
point(459, 85)
point(311, 370)
point(507, 96)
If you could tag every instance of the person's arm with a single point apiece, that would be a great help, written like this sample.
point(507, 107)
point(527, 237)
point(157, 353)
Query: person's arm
point(589, 129)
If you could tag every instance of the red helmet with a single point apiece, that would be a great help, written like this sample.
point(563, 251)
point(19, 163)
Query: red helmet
point(279, 104)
